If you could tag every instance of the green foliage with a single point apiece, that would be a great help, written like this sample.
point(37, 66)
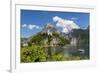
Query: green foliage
point(49, 39)
point(37, 54)
point(33, 54)
point(64, 41)
point(55, 34)
point(29, 44)
point(37, 38)
point(57, 57)
point(40, 37)
point(72, 58)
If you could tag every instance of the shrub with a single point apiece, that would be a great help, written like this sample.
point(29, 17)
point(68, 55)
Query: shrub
point(57, 57)
point(33, 54)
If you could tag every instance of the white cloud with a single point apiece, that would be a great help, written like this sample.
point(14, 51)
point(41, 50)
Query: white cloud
point(67, 25)
point(30, 26)
point(24, 25)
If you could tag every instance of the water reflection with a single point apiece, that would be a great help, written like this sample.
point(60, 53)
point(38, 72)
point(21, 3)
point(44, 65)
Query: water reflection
point(69, 50)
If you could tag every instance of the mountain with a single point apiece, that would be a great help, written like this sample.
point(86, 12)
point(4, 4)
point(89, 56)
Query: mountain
point(51, 36)
point(49, 29)
point(82, 35)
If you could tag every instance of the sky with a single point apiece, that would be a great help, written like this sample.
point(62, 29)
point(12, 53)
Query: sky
point(32, 21)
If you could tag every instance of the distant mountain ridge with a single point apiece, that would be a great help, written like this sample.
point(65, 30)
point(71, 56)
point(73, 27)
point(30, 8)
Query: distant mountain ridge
point(50, 34)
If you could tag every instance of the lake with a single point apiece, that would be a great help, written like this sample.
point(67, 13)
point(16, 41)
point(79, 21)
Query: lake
point(70, 50)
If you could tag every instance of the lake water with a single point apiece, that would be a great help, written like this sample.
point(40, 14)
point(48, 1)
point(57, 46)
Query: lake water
point(69, 50)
